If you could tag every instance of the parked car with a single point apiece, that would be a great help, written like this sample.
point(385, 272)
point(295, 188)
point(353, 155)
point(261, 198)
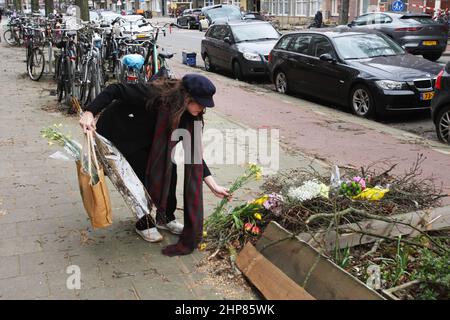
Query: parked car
point(94, 16)
point(417, 33)
point(189, 18)
point(216, 13)
point(131, 24)
point(440, 105)
point(108, 16)
point(366, 71)
point(241, 47)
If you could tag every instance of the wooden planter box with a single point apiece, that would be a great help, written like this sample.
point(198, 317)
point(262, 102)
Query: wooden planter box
point(298, 257)
point(295, 258)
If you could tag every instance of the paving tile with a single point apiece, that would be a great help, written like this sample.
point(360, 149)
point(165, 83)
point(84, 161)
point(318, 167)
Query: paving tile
point(24, 287)
point(19, 245)
point(9, 267)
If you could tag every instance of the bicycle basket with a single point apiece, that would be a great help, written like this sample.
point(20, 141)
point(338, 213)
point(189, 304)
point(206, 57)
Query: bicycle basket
point(135, 61)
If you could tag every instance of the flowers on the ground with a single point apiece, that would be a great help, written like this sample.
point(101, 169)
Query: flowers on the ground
point(260, 201)
point(308, 190)
point(274, 203)
point(255, 230)
point(353, 187)
point(248, 226)
point(205, 234)
point(257, 216)
point(361, 181)
point(202, 246)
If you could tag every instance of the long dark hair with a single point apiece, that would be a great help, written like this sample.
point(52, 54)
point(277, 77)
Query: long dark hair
point(171, 95)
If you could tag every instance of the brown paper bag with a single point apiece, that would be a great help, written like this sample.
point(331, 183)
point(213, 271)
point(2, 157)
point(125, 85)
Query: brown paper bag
point(96, 199)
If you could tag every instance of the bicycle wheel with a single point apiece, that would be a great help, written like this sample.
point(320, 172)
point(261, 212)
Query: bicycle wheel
point(9, 37)
point(60, 78)
point(36, 63)
point(87, 86)
point(68, 82)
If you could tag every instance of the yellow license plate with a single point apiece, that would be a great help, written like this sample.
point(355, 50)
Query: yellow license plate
point(141, 36)
point(430, 43)
point(426, 96)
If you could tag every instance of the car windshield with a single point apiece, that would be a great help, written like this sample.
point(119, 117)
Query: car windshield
point(133, 18)
point(225, 12)
point(93, 15)
point(254, 32)
point(109, 16)
point(363, 46)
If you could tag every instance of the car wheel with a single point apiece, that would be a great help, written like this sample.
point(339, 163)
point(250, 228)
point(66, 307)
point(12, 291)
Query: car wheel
point(432, 56)
point(237, 71)
point(208, 66)
point(443, 125)
point(361, 102)
point(281, 83)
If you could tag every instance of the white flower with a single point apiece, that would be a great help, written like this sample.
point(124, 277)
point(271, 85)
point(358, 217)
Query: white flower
point(307, 191)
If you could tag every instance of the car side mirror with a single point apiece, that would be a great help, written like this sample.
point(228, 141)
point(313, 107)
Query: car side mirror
point(327, 57)
point(227, 40)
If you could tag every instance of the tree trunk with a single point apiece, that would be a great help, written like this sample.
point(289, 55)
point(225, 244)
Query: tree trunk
point(343, 12)
point(48, 7)
point(18, 5)
point(84, 7)
point(34, 5)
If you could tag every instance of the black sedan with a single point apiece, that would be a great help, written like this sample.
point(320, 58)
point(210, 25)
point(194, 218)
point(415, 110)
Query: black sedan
point(368, 72)
point(189, 18)
point(440, 106)
point(241, 47)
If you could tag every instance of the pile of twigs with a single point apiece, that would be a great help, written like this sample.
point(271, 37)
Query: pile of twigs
point(407, 192)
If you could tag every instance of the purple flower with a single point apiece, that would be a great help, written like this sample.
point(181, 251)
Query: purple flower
point(361, 182)
point(274, 203)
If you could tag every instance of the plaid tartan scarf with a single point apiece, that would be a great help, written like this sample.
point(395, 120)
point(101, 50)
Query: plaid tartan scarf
point(159, 174)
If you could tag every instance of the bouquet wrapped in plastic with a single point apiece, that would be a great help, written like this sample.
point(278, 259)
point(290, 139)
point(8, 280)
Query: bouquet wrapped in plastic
point(123, 177)
point(114, 164)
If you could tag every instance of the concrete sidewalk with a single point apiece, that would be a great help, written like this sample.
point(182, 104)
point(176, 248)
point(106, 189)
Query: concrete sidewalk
point(43, 226)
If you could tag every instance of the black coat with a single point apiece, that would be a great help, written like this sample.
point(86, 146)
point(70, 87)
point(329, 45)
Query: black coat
point(125, 120)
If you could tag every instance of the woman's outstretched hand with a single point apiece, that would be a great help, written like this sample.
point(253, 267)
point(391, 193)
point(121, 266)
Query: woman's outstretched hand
point(87, 122)
point(219, 191)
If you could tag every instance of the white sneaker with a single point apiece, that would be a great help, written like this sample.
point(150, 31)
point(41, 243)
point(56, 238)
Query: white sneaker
point(150, 235)
point(173, 226)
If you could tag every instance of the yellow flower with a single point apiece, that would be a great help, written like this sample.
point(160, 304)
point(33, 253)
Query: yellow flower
point(257, 216)
point(205, 234)
point(202, 246)
point(261, 200)
point(258, 175)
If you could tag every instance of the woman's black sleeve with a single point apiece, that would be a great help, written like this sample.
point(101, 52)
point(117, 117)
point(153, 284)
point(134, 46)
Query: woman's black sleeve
point(206, 171)
point(133, 94)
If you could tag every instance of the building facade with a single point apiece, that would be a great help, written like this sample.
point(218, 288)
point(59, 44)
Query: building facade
point(287, 11)
point(292, 12)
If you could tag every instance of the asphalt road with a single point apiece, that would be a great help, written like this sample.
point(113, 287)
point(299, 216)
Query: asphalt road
point(190, 40)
